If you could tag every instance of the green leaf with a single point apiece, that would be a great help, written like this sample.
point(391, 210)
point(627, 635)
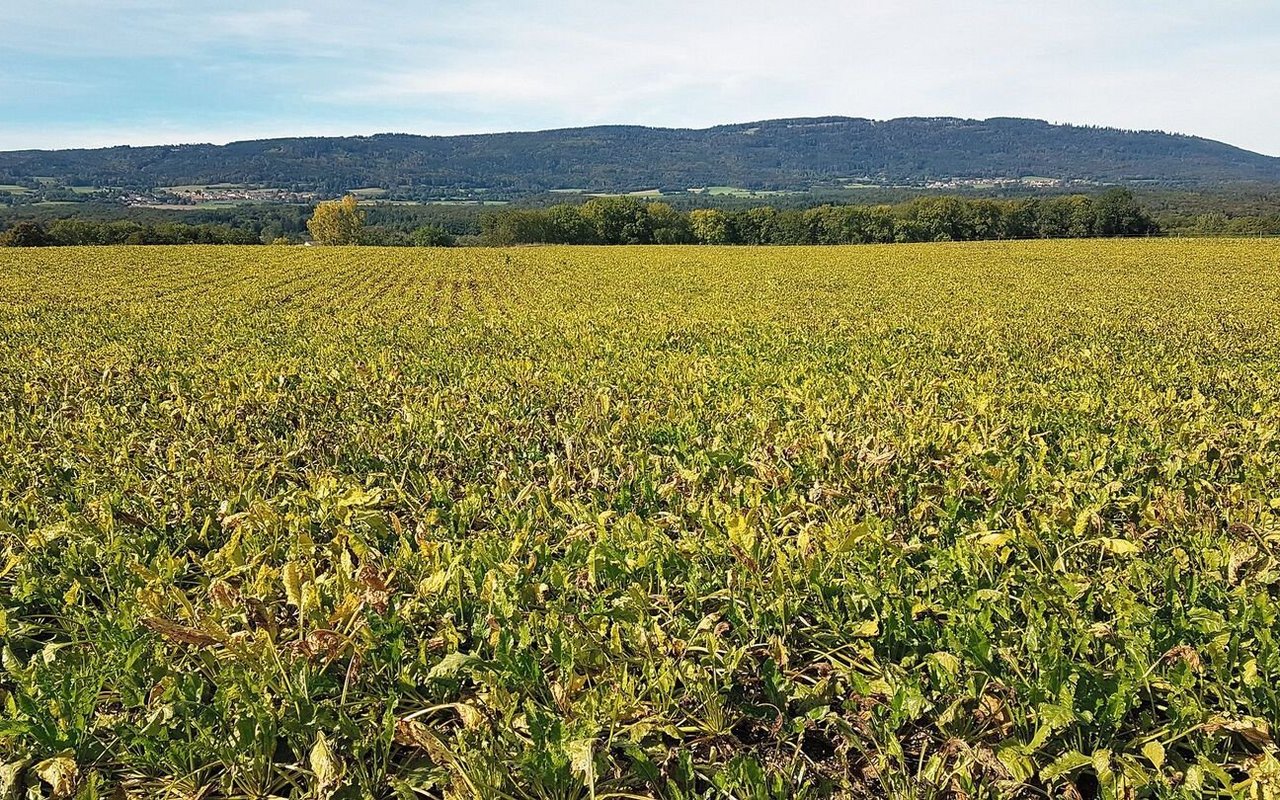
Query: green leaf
point(855, 535)
point(1064, 764)
point(451, 666)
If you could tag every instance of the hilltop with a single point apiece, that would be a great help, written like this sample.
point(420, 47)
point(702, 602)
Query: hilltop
point(775, 155)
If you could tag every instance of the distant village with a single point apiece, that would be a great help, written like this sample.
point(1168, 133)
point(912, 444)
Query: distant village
point(214, 195)
point(1005, 183)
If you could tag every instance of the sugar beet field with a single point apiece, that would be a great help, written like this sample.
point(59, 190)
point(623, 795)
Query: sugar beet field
point(988, 520)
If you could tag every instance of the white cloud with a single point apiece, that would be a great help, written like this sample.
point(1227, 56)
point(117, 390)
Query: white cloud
point(1180, 65)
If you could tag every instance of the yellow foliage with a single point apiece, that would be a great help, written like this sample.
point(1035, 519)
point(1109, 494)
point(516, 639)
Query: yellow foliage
point(337, 222)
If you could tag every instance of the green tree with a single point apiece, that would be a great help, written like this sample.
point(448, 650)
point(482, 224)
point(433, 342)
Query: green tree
point(709, 226)
point(1083, 217)
point(1020, 219)
point(1117, 213)
point(619, 220)
point(77, 232)
point(565, 225)
point(337, 222)
point(881, 225)
point(520, 226)
point(756, 225)
point(25, 234)
point(669, 226)
point(432, 236)
point(942, 219)
point(1213, 224)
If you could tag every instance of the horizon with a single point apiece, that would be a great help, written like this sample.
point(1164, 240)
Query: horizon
point(295, 136)
point(91, 74)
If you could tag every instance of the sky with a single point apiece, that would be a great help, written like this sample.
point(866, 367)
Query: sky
point(88, 73)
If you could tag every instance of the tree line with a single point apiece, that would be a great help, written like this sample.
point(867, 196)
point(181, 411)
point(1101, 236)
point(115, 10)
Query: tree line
point(82, 232)
point(630, 220)
point(335, 222)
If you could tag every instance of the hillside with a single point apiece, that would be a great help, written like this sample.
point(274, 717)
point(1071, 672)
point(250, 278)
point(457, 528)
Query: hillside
point(796, 154)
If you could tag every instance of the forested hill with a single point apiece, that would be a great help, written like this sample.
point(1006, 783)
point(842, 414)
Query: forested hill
point(796, 154)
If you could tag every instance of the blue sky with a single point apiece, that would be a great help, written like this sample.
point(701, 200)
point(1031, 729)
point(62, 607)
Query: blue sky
point(79, 73)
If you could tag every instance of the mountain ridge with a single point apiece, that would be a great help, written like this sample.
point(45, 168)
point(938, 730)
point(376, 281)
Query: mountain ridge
point(788, 154)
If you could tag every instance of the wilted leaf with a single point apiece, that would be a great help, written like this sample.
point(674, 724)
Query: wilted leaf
point(581, 753)
point(175, 632)
point(11, 779)
point(1256, 732)
point(411, 733)
point(61, 773)
point(324, 764)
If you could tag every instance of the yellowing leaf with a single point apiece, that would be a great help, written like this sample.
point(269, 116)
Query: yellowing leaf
point(291, 575)
point(310, 599)
point(1066, 763)
point(1102, 766)
point(1154, 751)
point(946, 662)
point(61, 773)
point(434, 584)
point(582, 760)
point(43, 537)
point(995, 540)
point(1248, 674)
point(855, 535)
point(741, 534)
point(10, 778)
point(1119, 547)
point(324, 764)
point(866, 630)
point(472, 718)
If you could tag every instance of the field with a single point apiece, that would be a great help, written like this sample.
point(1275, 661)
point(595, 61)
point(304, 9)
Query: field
point(986, 520)
point(733, 191)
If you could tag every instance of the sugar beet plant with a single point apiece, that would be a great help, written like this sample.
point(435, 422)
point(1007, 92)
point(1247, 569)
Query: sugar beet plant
point(939, 521)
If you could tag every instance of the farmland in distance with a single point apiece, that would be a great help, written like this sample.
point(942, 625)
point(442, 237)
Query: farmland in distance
point(941, 520)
